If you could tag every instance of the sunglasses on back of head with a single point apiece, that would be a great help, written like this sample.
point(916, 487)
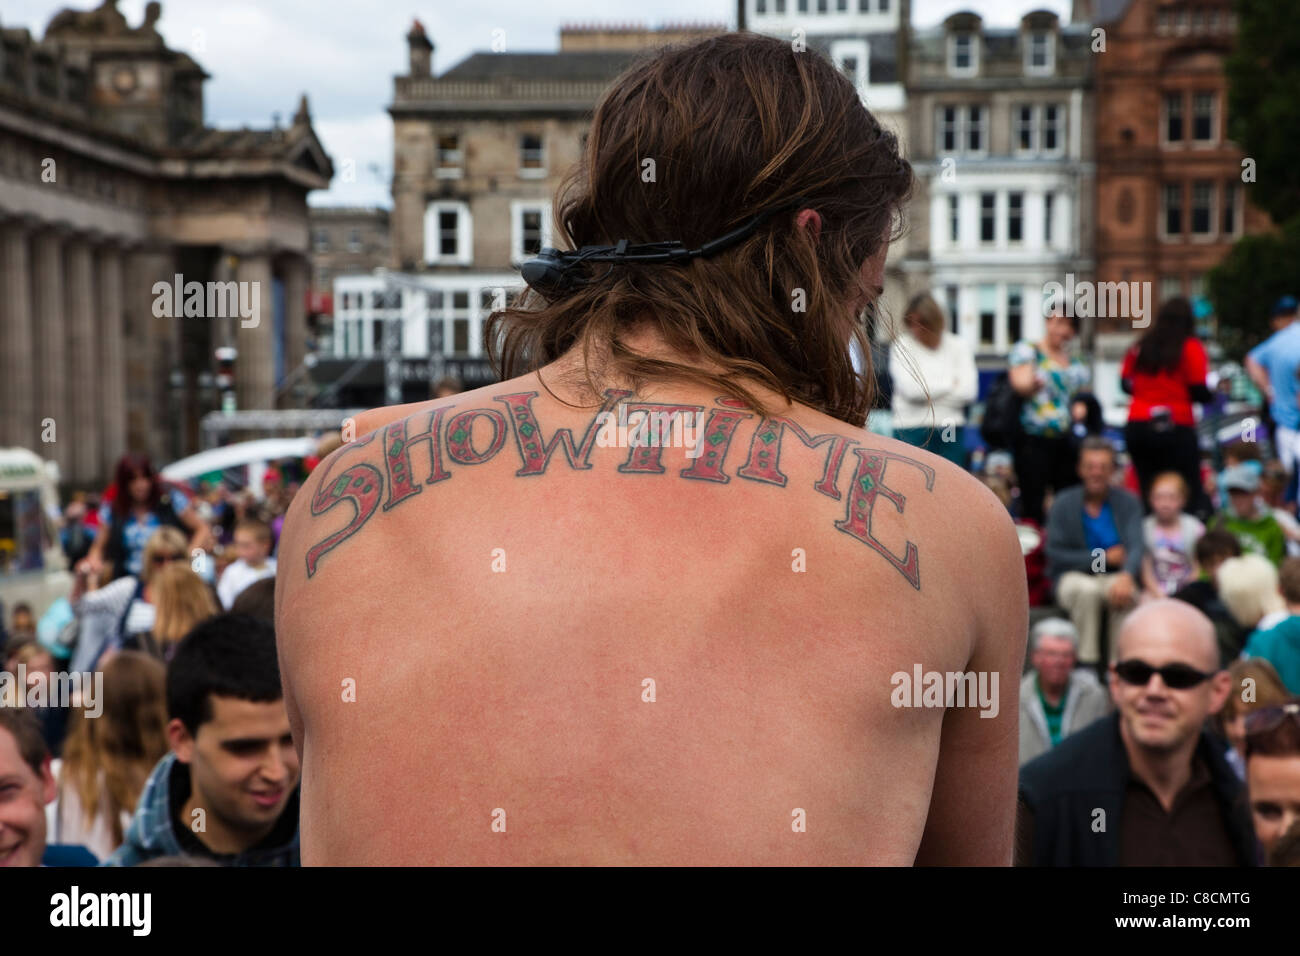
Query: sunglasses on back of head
point(1175, 676)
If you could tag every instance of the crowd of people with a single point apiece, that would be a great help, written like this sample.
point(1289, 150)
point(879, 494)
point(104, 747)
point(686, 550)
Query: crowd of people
point(1161, 688)
point(1167, 570)
point(183, 753)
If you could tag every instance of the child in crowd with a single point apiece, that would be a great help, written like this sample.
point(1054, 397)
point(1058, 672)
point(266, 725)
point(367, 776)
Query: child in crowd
point(1255, 527)
point(1170, 536)
point(253, 545)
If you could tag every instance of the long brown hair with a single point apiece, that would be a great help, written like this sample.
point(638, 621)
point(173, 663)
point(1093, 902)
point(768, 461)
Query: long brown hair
point(107, 759)
point(734, 125)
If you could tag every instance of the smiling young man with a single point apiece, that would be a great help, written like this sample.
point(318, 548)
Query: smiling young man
point(228, 791)
point(1149, 787)
point(562, 651)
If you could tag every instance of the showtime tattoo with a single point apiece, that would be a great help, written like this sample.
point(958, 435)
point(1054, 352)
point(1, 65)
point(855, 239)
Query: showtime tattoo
point(414, 459)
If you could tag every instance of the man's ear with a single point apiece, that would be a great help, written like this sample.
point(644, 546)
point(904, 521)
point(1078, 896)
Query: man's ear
point(181, 742)
point(809, 218)
point(49, 786)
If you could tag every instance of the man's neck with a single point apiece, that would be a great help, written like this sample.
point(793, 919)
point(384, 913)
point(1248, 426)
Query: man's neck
point(216, 835)
point(1166, 772)
point(1096, 500)
point(1052, 693)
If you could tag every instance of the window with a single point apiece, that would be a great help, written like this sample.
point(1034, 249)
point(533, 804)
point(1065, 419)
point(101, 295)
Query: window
point(948, 129)
point(950, 296)
point(851, 57)
point(1196, 286)
point(963, 55)
point(1015, 217)
point(884, 6)
point(954, 226)
point(531, 160)
point(1203, 117)
point(1230, 208)
point(460, 336)
point(961, 129)
point(1174, 117)
point(975, 129)
point(1040, 53)
point(760, 6)
point(1025, 129)
point(988, 207)
point(988, 312)
point(321, 240)
point(377, 337)
point(530, 229)
point(1053, 131)
point(842, 5)
point(449, 156)
point(1202, 207)
point(1170, 287)
point(354, 240)
point(1049, 209)
point(447, 233)
point(821, 6)
point(1015, 313)
point(1173, 202)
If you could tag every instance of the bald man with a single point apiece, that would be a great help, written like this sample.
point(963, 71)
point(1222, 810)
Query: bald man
point(1147, 786)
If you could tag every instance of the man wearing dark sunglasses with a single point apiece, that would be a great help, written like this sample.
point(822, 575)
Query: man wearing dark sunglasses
point(1147, 786)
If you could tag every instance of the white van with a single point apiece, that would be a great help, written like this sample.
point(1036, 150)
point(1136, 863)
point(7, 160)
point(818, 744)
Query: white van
point(33, 568)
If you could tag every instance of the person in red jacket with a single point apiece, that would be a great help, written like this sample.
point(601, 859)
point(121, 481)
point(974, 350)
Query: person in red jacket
point(1165, 373)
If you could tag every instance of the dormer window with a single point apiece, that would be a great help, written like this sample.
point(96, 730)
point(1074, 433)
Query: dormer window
point(1040, 53)
point(963, 54)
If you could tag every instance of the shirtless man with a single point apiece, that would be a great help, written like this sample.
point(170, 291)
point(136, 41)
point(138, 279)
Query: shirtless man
point(505, 641)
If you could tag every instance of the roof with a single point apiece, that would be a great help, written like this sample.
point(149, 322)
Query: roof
point(572, 65)
point(1108, 11)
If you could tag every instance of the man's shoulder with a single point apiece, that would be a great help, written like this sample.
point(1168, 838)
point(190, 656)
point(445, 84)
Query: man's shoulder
point(1082, 761)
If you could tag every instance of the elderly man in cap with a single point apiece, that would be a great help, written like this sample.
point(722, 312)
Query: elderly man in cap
point(1056, 698)
point(1247, 518)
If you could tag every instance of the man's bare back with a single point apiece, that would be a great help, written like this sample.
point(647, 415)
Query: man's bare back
point(519, 646)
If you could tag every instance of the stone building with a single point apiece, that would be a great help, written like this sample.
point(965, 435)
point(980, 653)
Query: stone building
point(479, 153)
point(1002, 142)
point(111, 187)
point(1170, 198)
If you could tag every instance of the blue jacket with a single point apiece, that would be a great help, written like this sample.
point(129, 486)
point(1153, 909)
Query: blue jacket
point(155, 832)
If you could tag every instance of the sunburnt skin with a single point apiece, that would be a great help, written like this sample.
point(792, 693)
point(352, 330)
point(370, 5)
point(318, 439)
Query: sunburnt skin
point(362, 484)
point(472, 632)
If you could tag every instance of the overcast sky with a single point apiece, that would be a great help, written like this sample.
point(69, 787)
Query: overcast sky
point(263, 55)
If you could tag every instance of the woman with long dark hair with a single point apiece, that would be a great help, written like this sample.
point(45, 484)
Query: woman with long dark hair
point(1165, 373)
point(141, 505)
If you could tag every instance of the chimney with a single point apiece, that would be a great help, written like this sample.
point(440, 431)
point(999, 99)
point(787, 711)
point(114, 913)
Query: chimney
point(421, 50)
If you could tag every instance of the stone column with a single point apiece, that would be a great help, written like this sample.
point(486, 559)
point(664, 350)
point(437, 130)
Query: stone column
point(112, 406)
point(295, 324)
point(19, 424)
point(83, 362)
point(50, 340)
point(255, 365)
point(147, 357)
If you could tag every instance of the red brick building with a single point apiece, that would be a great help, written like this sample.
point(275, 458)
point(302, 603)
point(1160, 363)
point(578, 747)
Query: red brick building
point(1170, 194)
